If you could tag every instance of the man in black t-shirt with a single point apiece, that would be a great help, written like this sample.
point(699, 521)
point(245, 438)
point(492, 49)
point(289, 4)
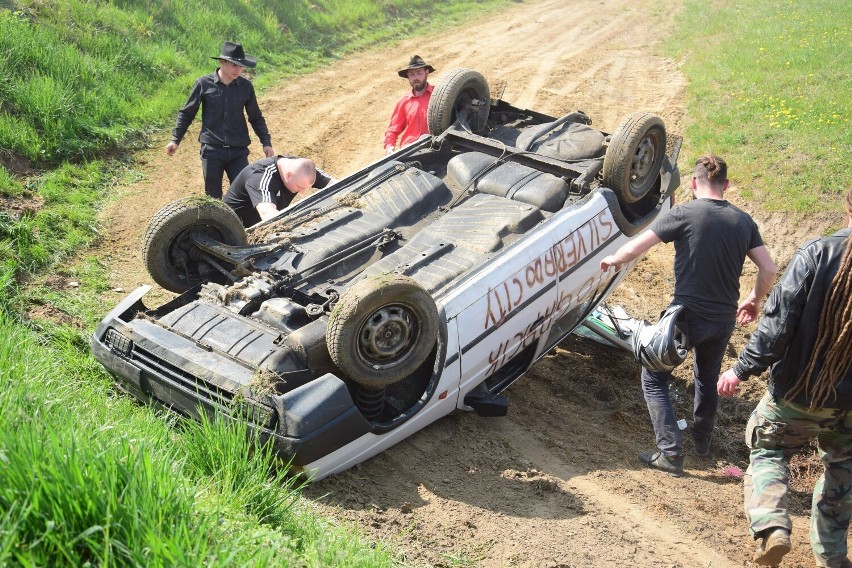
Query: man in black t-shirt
point(712, 239)
point(268, 185)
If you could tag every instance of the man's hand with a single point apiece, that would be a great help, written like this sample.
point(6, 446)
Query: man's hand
point(631, 250)
point(388, 150)
point(266, 210)
point(728, 384)
point(747, 311)
point(609, 261)
point(171, 148)
point(268, 151)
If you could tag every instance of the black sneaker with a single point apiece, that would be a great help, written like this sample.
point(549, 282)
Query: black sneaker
point(673, 465)
point(702, 447)
point(774, 544)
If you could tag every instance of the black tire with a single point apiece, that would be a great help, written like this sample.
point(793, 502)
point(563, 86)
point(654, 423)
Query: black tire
point(382, 330)
point(634, 156)
point(166, 249)
point(454, 92)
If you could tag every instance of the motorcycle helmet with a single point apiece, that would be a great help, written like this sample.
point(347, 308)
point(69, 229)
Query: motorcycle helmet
point(662, 346)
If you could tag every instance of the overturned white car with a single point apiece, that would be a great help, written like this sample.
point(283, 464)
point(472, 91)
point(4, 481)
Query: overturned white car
point(426, 282)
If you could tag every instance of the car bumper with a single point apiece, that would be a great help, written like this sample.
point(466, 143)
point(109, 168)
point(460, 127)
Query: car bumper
point(158, 366)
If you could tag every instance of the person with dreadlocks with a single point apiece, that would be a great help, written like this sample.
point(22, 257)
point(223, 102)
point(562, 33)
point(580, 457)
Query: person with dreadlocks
point(805, 338)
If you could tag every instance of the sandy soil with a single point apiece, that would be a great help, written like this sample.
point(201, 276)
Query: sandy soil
point(556, 482)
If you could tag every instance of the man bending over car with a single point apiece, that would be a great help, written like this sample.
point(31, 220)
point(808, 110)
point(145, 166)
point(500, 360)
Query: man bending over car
point(268, 185)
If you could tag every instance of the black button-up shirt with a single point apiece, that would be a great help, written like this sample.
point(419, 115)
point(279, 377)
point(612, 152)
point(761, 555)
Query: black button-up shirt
point(222, 119)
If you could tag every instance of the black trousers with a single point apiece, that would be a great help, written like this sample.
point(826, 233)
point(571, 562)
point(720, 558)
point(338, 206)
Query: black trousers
point(216, 160)
point(708, 341)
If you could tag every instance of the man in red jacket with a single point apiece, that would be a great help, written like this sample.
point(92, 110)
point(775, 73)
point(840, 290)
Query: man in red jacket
point(408, 120)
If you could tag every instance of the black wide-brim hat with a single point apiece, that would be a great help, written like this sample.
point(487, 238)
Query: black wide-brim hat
point(234, 53)
point(415, 63)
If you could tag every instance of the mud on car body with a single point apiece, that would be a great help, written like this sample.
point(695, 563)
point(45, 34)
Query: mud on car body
point(426, 282)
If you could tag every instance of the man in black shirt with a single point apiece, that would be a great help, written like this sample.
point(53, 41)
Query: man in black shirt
point(268, 185)
point(224, 137)
point(712, 239)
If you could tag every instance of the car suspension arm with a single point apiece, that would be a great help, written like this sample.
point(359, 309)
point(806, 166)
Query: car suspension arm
point(238, 256)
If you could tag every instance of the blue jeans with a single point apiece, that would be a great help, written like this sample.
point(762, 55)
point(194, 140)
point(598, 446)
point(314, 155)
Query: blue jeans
point(216, 160)
point(708, 341)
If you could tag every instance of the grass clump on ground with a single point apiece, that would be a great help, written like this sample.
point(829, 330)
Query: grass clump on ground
point(769, 89)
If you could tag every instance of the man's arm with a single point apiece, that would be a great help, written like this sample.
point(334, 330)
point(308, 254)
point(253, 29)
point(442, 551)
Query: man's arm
point(631, 250)
point(780, 320)
point(185, 117)
point(266, 210)
point(395, 128)
point(258, 123)
point(748, 310)
point(260, 192)
point(323, 179)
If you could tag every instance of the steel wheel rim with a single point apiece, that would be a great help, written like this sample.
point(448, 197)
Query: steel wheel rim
point(388, 335)
point(643, 161)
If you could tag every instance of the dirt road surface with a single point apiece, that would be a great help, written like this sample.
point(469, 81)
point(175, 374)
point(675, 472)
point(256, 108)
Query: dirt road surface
point(557, 482)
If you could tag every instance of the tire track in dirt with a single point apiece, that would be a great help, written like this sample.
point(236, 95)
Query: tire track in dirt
point(660, 541)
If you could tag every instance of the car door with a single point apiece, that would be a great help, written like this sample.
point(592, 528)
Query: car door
point(587, 234)
point(505, 308)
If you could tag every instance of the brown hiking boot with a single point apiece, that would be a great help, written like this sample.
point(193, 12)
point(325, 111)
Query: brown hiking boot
point(774, 544)
point(673, 465)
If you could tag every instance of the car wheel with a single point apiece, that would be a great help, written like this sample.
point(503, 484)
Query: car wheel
point(634, 156)
point(456, 91)
point(382, 330)
point(168, 252)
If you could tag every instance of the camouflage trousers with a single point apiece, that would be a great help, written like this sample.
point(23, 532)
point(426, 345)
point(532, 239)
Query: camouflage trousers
point(778, 429)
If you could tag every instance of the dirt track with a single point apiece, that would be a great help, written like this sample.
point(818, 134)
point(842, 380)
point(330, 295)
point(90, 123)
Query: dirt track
point(557, 481)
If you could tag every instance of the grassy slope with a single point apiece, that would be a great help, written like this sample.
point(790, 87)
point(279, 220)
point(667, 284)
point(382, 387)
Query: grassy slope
point(84, 77)
point(91, 477)
point(770, 88)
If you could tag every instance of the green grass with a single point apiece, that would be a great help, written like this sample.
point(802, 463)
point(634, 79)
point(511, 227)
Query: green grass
point(62, 219)
point(89, 477)
point(87, 77)
point(770, 88)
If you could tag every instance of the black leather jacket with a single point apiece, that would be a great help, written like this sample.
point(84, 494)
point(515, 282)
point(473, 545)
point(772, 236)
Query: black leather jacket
point(787, 332)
